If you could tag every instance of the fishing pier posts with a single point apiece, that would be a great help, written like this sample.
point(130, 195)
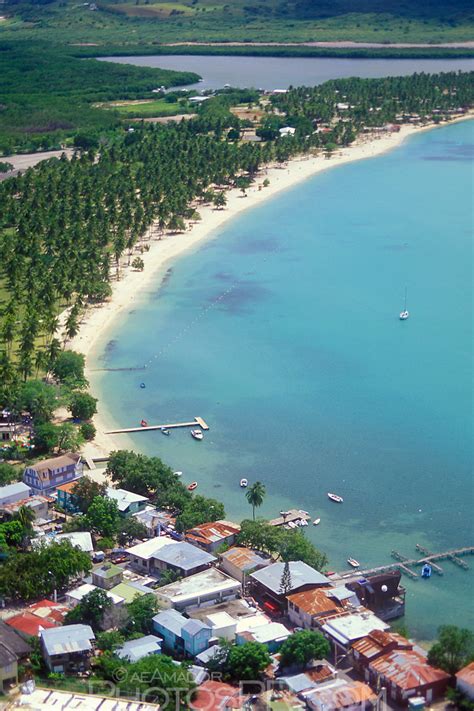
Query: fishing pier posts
point(197, 422)
point(406, 565)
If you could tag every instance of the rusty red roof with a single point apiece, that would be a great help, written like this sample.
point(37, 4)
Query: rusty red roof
point(467, 674)
point(29, 624)
point(208, 533)
point(407, 669)
point(342, 694)
point(217, 696)
point(314, 602)
point(377, 641)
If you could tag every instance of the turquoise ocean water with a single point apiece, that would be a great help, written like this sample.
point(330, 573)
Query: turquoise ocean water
point(283, 334)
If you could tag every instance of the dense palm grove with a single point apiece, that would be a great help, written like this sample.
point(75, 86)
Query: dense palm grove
point(66, 224)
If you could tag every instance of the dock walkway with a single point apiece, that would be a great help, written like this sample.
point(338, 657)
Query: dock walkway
point(197, 422)
point(405, 564)
point(292, 515)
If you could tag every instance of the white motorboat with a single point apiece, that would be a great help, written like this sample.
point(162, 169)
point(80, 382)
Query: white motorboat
point(303, 522)
point(335, 497)
point(305, 513)
point(197, 434)
point(178, 473)
point(244, 483)
point(291, 524)
point(405, 313)
point(316, 522)
point(353, 562)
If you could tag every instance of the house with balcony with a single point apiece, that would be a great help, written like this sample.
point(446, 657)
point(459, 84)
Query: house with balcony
point(163, 554)
point(44, 477)
point(67, 649)
point(204, 589)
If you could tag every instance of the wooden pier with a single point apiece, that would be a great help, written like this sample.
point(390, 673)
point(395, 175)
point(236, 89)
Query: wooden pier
point(406, 565)
point(197, 422)
point(292, 515)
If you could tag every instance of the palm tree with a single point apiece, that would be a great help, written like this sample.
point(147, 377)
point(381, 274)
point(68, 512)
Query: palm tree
point(255, 495)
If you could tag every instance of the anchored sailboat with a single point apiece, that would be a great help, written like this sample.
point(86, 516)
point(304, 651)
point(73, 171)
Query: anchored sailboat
point(404, 314)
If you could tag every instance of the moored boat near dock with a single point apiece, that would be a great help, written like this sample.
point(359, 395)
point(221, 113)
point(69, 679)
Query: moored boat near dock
point(197, 434)
point(335, 497)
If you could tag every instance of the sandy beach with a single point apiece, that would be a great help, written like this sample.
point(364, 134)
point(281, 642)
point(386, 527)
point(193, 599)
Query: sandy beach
point(129, 290)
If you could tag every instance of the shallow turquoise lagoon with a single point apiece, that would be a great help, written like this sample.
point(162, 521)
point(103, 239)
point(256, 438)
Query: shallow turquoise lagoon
point(283, 334)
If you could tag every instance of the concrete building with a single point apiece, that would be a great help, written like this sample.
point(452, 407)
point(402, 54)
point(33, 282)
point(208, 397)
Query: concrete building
point(239, 562)
point(107, 576)
point(38, 504)
point(47, 475)
point(342, 631)
point(206, 588)
point(142, 555)
point(67, 649)
point(12, 493)
point(209, 536)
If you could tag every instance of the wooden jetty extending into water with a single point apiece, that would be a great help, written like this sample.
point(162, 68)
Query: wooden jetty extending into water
point(197, 422)
point(405, 565)
point(292, 515)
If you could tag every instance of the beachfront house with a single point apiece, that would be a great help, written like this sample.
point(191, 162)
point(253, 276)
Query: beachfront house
point(203, 589)
point(239, 562)
point(210, 536)
point(11, 493)
point(181, 635)
point(383, 594)
point(377, 643)
point(266, 583)
point(50, 473)
point(405, 673)
point(310, 608)
point(67, 649)
point(128, 503)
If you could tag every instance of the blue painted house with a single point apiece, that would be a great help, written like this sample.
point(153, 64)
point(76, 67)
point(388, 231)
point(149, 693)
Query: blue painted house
point(50, 473)
point(181, 635)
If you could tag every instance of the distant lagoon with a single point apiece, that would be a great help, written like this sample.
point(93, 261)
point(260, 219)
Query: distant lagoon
point(306, 376)
point(282, 72)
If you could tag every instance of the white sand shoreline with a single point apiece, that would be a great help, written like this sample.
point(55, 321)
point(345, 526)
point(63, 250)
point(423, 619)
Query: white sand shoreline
point(132, 287)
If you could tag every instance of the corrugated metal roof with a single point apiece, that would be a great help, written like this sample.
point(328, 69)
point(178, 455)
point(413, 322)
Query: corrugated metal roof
point(136, 649)
point(340, 694)
point(314, 602)
point(64, 640)
point(467, 674)
point(301, 574)
point(407, 669)
point(208, 533)
point(183, 555)
point(244, 558)
point(171, 620)
point(377, 640)
point(124, 498)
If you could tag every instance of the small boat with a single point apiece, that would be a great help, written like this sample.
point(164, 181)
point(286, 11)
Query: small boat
point(178, 473)
point(165, 431)
point(244, 483)
point(305, 513)
point(304, 522)
point(404, 314)
point(143, 386)
point(197, 434)
point(355, 563)
point(291, 524)
point(335, 497)
point(192, 486)
point(426, 571)
point(144, 423)
point(316, 522)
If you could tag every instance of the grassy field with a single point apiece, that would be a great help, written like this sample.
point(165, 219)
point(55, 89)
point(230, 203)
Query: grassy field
point(148, 108)
point(141, 23)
